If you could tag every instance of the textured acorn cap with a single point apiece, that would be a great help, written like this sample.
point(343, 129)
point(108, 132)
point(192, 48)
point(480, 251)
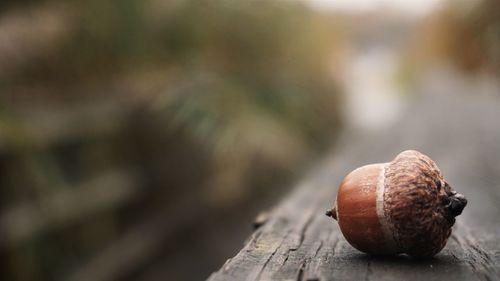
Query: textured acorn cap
point(419, 204)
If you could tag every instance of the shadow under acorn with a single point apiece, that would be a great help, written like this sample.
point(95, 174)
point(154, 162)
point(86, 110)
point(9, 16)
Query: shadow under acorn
point(400, 264)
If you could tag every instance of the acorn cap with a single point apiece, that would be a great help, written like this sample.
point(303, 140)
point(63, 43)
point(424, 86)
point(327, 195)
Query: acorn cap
point(419, 204)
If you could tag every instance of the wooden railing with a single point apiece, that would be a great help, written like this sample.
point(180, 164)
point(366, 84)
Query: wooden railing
point(298, 242)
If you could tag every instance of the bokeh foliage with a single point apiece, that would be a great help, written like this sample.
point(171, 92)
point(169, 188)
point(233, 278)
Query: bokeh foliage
point(466, 33)
point(208, 105)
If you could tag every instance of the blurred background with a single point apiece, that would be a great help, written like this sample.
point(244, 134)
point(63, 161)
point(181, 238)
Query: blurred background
point(140, 139)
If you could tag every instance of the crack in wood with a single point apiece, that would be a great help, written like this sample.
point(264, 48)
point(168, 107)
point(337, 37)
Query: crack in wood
point(298, 233)
point(265, 264)
point(300, 274)
point(261, 269)
point(309, 259)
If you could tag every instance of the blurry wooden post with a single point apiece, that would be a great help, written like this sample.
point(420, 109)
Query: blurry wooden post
point(298, 242)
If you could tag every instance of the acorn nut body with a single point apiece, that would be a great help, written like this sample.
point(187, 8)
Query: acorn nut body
point(404, 206)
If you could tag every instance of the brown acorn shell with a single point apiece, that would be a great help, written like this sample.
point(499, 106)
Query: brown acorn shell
point(356, 211)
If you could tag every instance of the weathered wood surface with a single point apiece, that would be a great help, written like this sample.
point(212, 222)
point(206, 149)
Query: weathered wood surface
point(460, 129)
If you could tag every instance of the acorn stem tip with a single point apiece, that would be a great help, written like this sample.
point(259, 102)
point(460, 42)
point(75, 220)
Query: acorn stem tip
point(332, 213)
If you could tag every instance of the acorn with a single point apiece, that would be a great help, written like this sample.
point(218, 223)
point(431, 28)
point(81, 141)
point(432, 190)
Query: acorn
point(401, 207)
